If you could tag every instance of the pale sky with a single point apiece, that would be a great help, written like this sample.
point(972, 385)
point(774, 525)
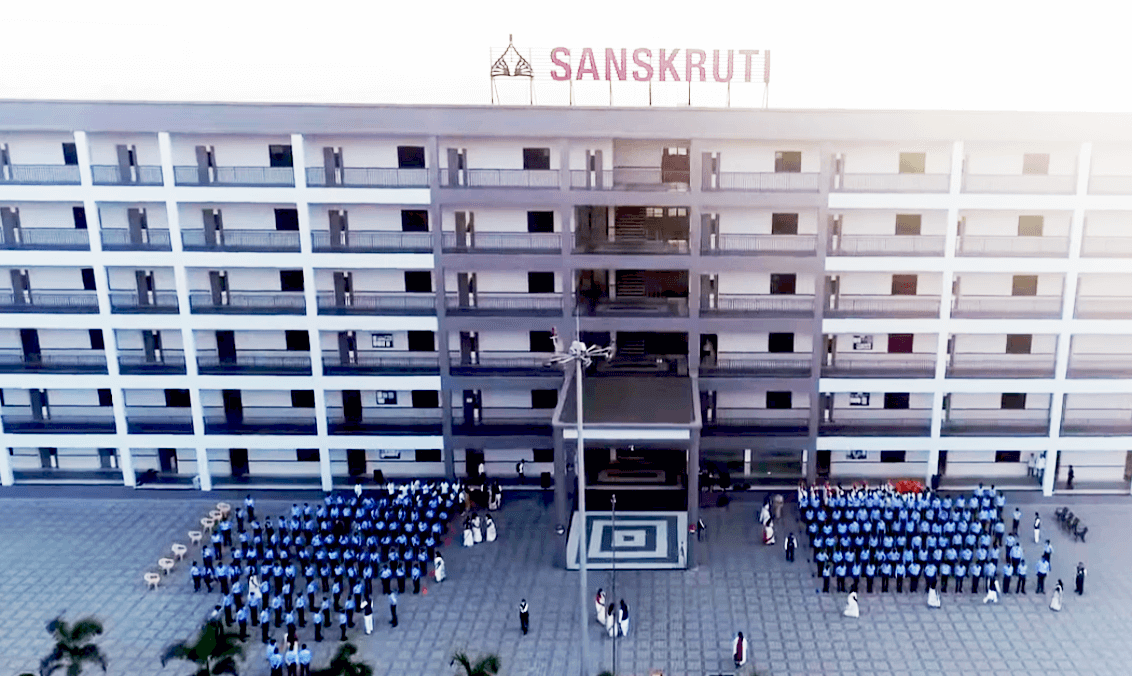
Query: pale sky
point(960, 55)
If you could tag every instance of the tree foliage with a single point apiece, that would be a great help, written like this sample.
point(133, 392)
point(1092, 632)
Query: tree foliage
point(486, 666)
point(73, 648)
point(213, 651)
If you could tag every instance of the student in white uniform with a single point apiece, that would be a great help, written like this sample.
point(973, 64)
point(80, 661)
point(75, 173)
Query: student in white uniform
point(441, 572)
point(851, 607)
point(739, 650)
point(491, 532)
point(599, 607)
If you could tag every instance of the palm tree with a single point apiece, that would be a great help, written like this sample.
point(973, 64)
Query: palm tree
point(342, 664)
point(214, 651)
point(487, 666)
point(73, 648)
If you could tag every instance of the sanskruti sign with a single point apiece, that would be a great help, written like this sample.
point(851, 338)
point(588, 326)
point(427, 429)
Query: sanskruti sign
point(645, 64)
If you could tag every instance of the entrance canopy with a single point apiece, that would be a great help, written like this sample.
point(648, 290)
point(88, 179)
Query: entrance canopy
point(628, 407)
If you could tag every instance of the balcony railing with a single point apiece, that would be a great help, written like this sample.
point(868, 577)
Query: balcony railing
point(259, 420)
point(524, 242)
point(13, 360)
point(504, 178)
point(235, 176)
point(164, 361)
point(112, 174)
point(156, 302)
point(119, 239)
point(46, 239)
point(386, 420)
point(649, 178)
point(159, 420)
point(40, 174)
point(742, 421)
point(1103, 307)
point(1087, 421)
point(241, 240)
point(373, 241)
point(248, 302)
point(504, 420)
point(767, 181)
point(741, 364)
point(59, 420)
point(68, 301)
point(632, 306)
point(1090, 365)
point(977, 245)
point(376, 303)
point(759, 244)
point(886, 245)
point(369, 177)
point(1033, 183)
point(632, 246)
point(1032, 307)
point(261, 362)
point(884, 306)
point(736, 304)
point(895, 183)
point(502, 363)
point(580, 179)
point(1106, 247)
point(969, 365)
point(996, 422)
point(881, 365)
point(506, 303)
point(870, 422)
point(1110, 185)
point(380, 363)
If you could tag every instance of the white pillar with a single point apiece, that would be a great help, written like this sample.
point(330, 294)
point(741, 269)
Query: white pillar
point(1050, 479)
point(203, 470)
point(6, 478)
point(126, 461)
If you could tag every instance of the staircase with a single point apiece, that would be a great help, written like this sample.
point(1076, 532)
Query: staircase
point(629, 229)
point(630, 284)
point(631, 348)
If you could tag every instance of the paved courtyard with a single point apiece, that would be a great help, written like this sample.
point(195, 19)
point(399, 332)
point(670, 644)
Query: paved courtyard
point(86, 556)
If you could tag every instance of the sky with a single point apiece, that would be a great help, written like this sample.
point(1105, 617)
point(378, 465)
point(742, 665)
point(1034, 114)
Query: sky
point(868, 54)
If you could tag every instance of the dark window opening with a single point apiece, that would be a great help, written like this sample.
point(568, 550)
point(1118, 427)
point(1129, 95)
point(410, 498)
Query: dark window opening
point(422, 341)
point(306, 454)
point(280, 156)
point(418, 281)
point(544, 398)
point(540, 282)
point(784, 224)
point(426, 399)
point(788, 162)
point(541, 341)
point(896, 400)
point(79, 214)
point(1014, 401)
point(783, 284)
point(1035, 164)
point(543, 455)
point(779, 400)
point(287, 219)
point(913, 163)
point(88, 279)
point(105, 398)
point(1008, 456)
point(1030, 226)
point(540, 221)
point(302, 398)
point(414, 220)
point(536, 158)
point(410, 157)
point(904, 285)
point(178, 399)
point(298, 341)
point(780, 342)
point(428, 455)
point(290, 280)
point(892, 456)
point(1025, 285)
point(908, 224)
point(70, 154)
point(97, 342)
point(900, 343)
point(1019, 343)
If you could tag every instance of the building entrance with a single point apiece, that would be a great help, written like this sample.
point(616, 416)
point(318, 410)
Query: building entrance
point(652, 479)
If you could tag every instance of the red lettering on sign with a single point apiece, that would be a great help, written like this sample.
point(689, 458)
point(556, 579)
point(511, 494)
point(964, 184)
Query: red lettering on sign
point(583, 69)
point(647, 65)
point(715, 65)
point(619, 68)
point(564, 65)
point(694, 59)
point(667, 67)
point(748, 53)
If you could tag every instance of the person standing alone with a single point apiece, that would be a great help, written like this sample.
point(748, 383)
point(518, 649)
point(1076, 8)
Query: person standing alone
point(739, 650)
point(791, 545)
point(524, 617)
point(1080, 578)
point(1037, 528)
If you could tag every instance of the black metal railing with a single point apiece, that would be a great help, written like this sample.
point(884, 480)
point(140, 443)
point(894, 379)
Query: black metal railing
point(235, 176)
point(163, 361)
point(154, 302)
point(883, 364)
point(248, 302)
point(373, 241)
point(756, 363)
point(241, 240)
point(59, 420)
point(264, 362)
point(369, 177)
point(550, 242)
point(118, 239)
point(504, 178)
point(159, 420)
point(502, 362)
point(376, 303)
point(768, 181)
point(759, 244)
point(111, 174)
point(743, 304)
point(42, 174)
point(382, 363)
point(506, 303)
point(73, 301)
point(46, 239)
point(13, 360)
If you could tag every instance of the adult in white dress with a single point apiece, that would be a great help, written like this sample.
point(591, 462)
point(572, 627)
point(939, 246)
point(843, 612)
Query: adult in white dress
point(764, 514)
point(491, 532)
point(933, 598)
point(469, 538)
point(851, 607)
point(477, 533)
point(623, 618)
point(599, 607)
point(611, 620)
point(1055, 602)
point(441, 572)
point(768, 533)
point(992, 592)
point(739, 649)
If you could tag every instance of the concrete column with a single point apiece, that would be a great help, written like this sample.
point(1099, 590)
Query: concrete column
point(6, 477)
point(203, 470)
point(561, 496)
point(126, 463)
point(1050, 480)
point(933, 464)
point(693, 493)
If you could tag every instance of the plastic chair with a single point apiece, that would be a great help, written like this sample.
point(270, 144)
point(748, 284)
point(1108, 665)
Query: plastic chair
point(224, 508)
point(179, 551)
point(195, 536)
point(152, 579)
point(215, 515)
point(166, 565)
point(207, 524)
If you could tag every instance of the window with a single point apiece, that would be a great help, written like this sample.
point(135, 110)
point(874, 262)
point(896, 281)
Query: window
point(79, 214)
point(1025, 285)
point(787, 161)
point(287, 219)
point(540, 221)
point(105, 398)
point(913, 163)
point(780, 342)
point(654, 212)
point(298, 341)
point(784, 224)
point(900, 343)
point(541, 341)
point(426, 399)
point(779, 399)
point(410, 157)
point(306, 454)
point(414, 220)
point(302, 398)
point(892, 456)
point(543, 455)
point(422, 341)
point(908, 224)
point(428, 455)
point(904, 285)
point(96, 340)
point(783, 284)
point(1030, 226)
point(896, 400)
point(70, 154)
point(540, 282)
point(386, 397)
point(177, 399)
point(418, 281)
point(1013, 401)
point(280, 156)
point(1019, 344)
point(1008, 456)
point(1035, 164)
point(536, 158)
point(544, 398)
point(88, 279)
point(290, 280)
